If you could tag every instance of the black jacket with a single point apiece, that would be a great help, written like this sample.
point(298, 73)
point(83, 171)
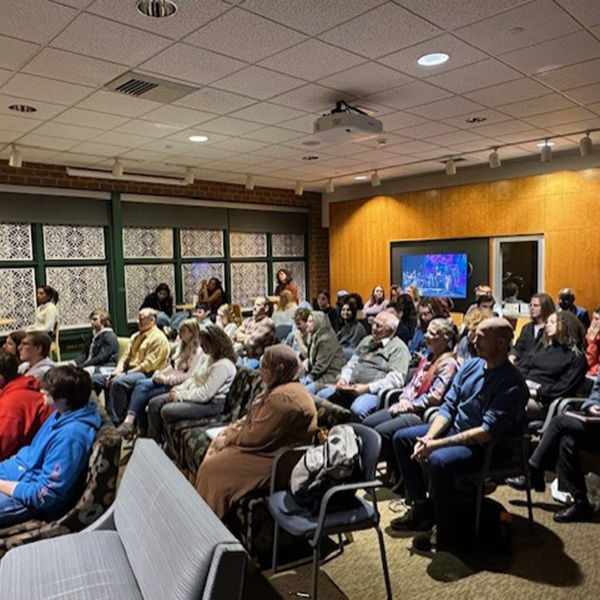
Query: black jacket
point(103, 351)
point(527, 341)
point(152, 301)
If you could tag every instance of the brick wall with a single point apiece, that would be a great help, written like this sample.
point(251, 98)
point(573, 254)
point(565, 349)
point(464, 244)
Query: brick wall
point(35, 174)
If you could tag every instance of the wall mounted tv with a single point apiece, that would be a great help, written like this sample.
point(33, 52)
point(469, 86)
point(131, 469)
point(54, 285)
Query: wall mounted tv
point(436, 274)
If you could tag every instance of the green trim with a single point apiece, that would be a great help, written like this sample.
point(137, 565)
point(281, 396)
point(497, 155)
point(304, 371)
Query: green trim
point(38, 254)
point(116, 266)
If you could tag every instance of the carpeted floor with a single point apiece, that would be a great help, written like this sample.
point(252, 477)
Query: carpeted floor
point(553, 562)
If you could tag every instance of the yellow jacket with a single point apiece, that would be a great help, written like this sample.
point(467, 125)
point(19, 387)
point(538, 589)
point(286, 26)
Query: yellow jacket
point(148, 351)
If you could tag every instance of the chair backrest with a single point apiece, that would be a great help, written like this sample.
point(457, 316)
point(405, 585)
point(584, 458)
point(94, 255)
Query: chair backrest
point(521, 322)
point(371, 448)
point(246, 384)
point(457, 318)
point(123, 345)
point(282, 331)
point(55, 344)
point(169, 533)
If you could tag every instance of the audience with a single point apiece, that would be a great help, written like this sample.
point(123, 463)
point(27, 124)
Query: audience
point(351, 331)
point(465, 348)
point(240, 458)
point(285, 309)
point(13, 341)
point(211, 292)
point(227, 320)
point(297, 339)
point(325, 356)
point(41, 479)
point(427, 388)
point(34, 352)
point(395, 291)
point(285, 282)
point(429, 308)
point(592, 344)
point(486, 401)
point(161, 301)
point(415, 296)
point(321, 304)
point(255, 334)
point(46, 313)
point(376, 303)
point(380, 361)
point(557, 366)
point(407, 312)
point(203, 394)
point(22, 407)
point(179, 369)
point(566, 302)
point(402, 331)
point(202, 315)
point(541, 306)
point(486, 302)
point(480, 290)
point(104, 347)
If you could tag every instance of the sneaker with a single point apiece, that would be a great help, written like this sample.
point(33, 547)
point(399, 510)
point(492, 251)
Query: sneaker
point(126, 430)
point(579, 511)
point(419, 517)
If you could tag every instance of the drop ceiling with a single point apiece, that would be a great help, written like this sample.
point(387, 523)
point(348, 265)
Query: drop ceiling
point(263, 70)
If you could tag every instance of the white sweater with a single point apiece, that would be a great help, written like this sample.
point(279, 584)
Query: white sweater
point(209, 379)
point(45, 318)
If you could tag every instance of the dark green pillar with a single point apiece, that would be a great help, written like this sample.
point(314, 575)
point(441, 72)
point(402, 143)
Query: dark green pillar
point(116, 266)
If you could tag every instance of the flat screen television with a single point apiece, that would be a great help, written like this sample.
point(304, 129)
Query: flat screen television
point(436, 274)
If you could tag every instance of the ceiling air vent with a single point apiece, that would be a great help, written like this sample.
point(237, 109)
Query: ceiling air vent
point(149, 88)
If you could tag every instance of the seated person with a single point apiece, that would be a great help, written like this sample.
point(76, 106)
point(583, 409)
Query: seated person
point(240, 458)
point(380, 361)
point(402, 331)
point(285, 282)
point(376, 303)
point(429, 308)
point(46, 313)
point(202, 394)
point(557, 367)
point(148, 351)
point(161, 301)
point(40, 481)
point(351, 331)
point(566, 302)
point(297, 339)
point(486, 401)
point(255, 334)
point(414, 294)
point(427, 388)
point(408, 313)
point(395, 291)
point(202, 315)
point(285, 309)
point(33, 352)
point(13, 341)
point(179, 369)
point(211, 292)
point(227, 320)
point(105, 345)
point(541, 306)
point(465, 348)
point(321, 303)
point(22, 408)
point(480, 290)
point(486, 302)
point(592, 344)
point(325, 356)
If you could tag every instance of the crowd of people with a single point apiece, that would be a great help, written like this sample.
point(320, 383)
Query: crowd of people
point(387, 360)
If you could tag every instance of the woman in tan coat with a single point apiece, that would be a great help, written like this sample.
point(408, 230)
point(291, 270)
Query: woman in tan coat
point(241, 457)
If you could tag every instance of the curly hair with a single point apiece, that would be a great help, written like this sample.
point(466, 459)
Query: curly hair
point(218, 343)
point(569, 332)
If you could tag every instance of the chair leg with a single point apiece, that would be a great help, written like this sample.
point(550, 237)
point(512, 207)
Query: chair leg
point(275, 544)
point(478, 502)
point(386, 574)
point(529, 501)
point(340, 543)
point(315, 571)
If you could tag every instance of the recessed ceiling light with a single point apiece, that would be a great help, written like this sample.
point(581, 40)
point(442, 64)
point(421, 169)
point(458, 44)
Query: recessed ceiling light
point(24, 108)
point(476, 119)
point(432, 60)
point(542, 144)
point(157, 8)
point(198, 138)
point(361, 178)
point(310, 157)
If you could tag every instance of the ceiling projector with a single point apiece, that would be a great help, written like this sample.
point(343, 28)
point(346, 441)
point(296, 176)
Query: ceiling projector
point(346, 123)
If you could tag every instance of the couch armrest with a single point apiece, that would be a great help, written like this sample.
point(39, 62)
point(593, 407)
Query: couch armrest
point(225, 577)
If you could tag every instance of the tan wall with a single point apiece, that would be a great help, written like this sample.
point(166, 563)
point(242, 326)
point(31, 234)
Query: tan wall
point(564, 206)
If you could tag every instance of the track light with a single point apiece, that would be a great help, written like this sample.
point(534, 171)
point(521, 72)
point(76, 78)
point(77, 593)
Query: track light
point(249, 182)
point(585, 144)
point(299, 188)
point(546, 152)
point(117, 169)
point(450, 167)
point(329, 187)
point(189, 177)
point(375, 181)
point(15, 159)
point(494, 159)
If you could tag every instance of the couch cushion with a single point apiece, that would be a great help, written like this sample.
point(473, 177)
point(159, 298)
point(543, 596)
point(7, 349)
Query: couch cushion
point(81, 566)
point(169, 533)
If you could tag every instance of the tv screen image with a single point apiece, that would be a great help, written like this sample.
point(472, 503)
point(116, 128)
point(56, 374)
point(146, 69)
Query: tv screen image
point(436, 274)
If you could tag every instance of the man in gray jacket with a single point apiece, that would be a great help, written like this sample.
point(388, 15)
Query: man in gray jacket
point(380, 360)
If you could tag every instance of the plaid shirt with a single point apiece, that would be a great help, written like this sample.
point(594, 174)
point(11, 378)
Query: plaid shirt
point(261, 333)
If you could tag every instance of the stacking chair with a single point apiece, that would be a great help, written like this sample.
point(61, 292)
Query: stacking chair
point(55, 345)
point(360, 515)
point(281, 332)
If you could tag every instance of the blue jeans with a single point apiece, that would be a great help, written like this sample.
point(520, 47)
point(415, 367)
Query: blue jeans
point(143, 392)
point(118, 394)
point(13, 511)
point(362, 405)
point(179, 317)
point(251, 363)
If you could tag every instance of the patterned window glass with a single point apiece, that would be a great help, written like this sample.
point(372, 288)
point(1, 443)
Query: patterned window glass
point(140, 280)
point(65, 242)
point(247, 245)
point(288, 244)
point(298, 271)
point(81, 289)
point(192, 275)
point(201, 242)
point(18, 306)
point(248, 280)
point(144, 242)
point(15, 241)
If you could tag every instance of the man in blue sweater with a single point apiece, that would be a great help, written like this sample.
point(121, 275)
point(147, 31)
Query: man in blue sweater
point(40, 480)
point(486, 401)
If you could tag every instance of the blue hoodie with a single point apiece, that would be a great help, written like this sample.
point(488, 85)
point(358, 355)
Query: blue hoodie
point(48, 469)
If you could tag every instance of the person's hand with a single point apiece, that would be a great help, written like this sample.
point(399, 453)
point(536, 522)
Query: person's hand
point(157, 379)
point(172, 397)
point(341, 384)
point(594, 411)
point(401, 407)
point(113, 375)
point(512, 358)
point(592, 332)
point(218, 443)
point(423, 448)
point(361, 388)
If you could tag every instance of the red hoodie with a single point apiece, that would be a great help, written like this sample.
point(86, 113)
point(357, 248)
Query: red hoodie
point(22, 412)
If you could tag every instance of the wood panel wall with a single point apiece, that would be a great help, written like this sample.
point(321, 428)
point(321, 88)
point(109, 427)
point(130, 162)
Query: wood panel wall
point(564, 206)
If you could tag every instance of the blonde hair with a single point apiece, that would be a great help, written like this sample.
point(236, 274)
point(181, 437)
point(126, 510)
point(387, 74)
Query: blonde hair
point(226, 310)
point(187, 349)
point(103, 315)
point(476, 316)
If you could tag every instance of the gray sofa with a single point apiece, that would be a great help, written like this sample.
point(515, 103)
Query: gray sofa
point(159, 541)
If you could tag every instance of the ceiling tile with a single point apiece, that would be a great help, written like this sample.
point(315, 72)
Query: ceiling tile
point(399, 120)
point(240, 145)
point(62, 130)
point(118, 104)
point(303, 124)
point(14, 53)
point(586, 94)
point(266, 113)
point(167, 145)
point(449, 107)
point(381, 31)
point(278, 151)
point(209, 153)
point(572, 76)
point(177, 116)
point(412, 147)
point(489, 116)
point(75, 159)
point(455, 137)
point(536, 106)
point(190, 15)
point(47, 143)
point(559, 117)
point(366, 79)
point(451, 14)
point(7, 136)
point(311, 98)
point(258, 82)
point(39, 88)
point(85, 118)
point(272, 135)
point(585, 11)
point(34, 20)
point(521, 136)
point(230, 126)
point(520, 89)
point(75, 68)
point(45, 110)
point(14, 123)
point(5, 75)
point(153, 130)
point(473, 77)
point(245, 36)
point(426, 130)
point(98, 149)
point(196, 147)
point(214, 101)
point(312, 60)
point(311, 16)
point(572, 48)
point(588, 124)
point(189, 63)
point(409, 95)
point(39, 155)
point(460, 54)
point(101, 38)
point(76, 3)
point(118, 138)
point(505, 128)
